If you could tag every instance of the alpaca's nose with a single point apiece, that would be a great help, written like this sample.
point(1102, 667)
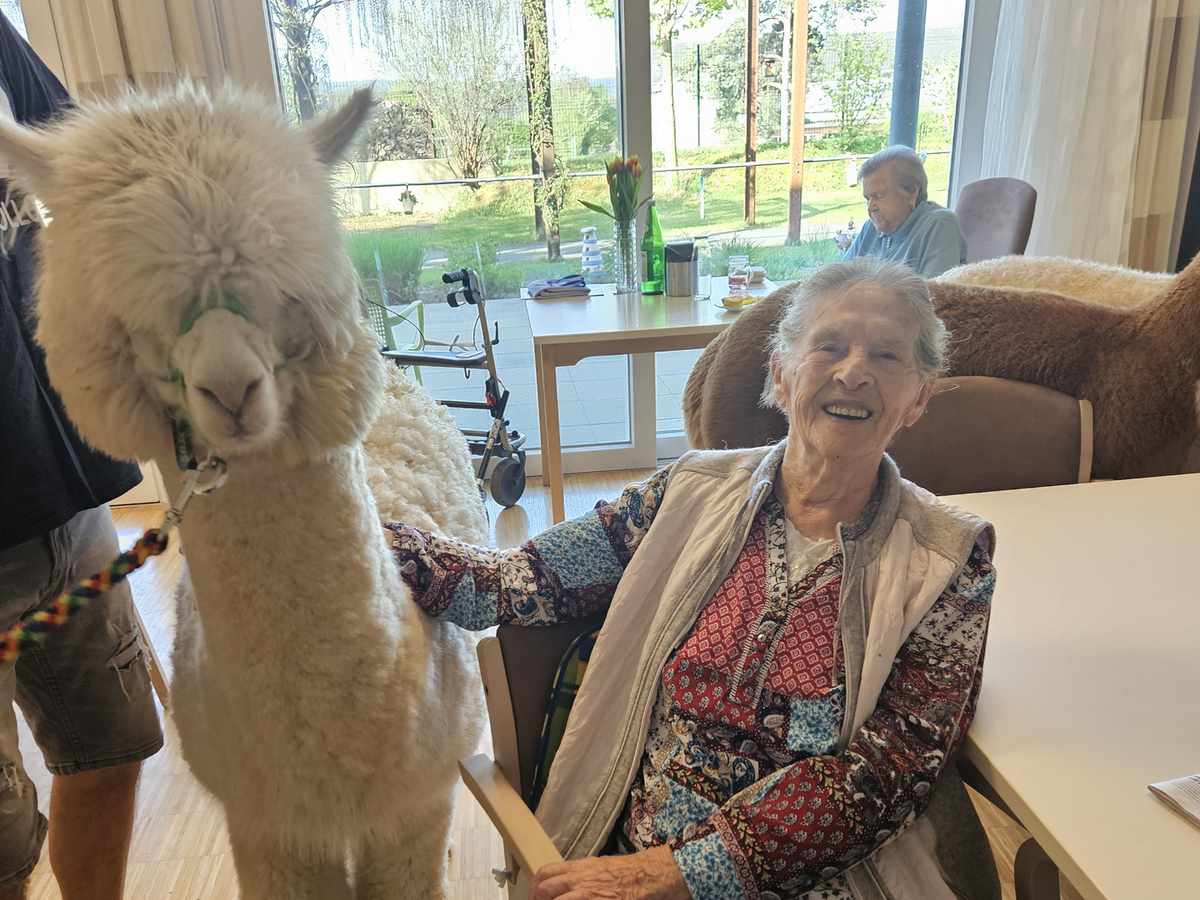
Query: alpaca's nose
point(231, 395)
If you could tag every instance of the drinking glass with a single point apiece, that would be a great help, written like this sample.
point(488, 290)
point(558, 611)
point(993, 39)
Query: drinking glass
point(703, 255)
point(739, 275)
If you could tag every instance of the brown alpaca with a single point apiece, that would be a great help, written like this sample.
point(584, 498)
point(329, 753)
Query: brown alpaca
point(720, 399)
point(1139, 367)
point(1082, 278)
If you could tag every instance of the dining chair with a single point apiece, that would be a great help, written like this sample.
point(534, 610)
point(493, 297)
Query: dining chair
point(385, 319)
point(996, 215)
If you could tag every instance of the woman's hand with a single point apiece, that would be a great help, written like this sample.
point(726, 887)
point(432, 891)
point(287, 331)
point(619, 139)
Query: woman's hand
point(649, 875)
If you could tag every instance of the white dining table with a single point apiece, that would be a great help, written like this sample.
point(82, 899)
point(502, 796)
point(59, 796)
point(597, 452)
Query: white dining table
point(1091, 679)
point(568, 329)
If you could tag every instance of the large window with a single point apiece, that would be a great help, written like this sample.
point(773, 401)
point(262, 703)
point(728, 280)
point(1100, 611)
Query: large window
point(482, 99)
point(449, 173)
point(700, 117)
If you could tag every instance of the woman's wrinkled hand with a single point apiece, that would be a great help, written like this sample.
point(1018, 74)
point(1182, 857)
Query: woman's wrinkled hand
point(649, 875)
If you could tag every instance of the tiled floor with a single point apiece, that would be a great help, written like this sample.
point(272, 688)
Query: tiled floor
point(593, 395)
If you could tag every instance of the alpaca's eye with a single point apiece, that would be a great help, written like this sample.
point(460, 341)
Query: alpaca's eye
point(292, 349)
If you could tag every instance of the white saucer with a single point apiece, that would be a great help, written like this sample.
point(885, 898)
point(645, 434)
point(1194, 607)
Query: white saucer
point(716, 301)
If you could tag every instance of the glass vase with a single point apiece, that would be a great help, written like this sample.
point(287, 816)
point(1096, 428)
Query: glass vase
point(625, 257)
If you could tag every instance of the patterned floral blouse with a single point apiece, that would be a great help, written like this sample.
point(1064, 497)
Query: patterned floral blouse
point(738, 776)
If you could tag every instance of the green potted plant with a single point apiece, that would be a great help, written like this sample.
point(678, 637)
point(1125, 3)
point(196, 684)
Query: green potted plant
point(409, 200)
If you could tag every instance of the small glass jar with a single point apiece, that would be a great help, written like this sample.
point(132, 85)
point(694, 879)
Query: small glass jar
point(739, 275)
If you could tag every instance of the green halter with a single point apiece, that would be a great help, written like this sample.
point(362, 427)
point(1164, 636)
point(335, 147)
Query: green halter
point(197, 307)
point(201, 304)
point(181, 429)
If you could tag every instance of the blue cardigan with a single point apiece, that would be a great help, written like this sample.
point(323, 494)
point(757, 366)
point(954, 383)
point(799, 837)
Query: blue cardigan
point(930, 241)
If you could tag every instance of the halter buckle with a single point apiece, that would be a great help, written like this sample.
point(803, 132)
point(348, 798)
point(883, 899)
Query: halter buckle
point(203, 479)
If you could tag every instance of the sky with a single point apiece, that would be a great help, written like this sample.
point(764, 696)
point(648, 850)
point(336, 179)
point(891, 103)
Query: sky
point(584, 46)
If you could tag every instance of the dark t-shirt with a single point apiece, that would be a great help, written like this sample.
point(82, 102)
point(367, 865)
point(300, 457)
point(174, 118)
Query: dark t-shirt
point(47, 472)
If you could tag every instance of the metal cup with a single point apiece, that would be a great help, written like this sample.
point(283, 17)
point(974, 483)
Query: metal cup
point(680, 258)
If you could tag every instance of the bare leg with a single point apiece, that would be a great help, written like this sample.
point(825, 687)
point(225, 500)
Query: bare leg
point(412, 863)
point(265, 872)
point(91, 821)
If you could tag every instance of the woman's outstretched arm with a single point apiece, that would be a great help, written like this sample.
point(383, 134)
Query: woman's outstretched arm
point(568, 571)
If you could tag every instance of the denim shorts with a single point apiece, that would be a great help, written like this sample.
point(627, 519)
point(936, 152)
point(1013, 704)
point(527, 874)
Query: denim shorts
point(85, 691)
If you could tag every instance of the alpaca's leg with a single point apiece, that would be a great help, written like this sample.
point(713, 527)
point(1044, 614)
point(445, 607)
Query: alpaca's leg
point(411, 863)
point(266, 872)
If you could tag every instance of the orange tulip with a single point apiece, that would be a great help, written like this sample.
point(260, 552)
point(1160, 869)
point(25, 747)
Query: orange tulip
point(624, 177)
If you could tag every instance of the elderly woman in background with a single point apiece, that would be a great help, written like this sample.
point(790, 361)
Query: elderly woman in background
point(794, 636)
point(905, 225)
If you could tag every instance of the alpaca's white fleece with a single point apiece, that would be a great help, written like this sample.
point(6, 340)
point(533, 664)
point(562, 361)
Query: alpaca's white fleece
point(313, 698)
point(1081, 278)
point(418, 465)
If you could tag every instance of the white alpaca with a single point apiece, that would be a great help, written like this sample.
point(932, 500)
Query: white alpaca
point(418, 465)
point(194, 267)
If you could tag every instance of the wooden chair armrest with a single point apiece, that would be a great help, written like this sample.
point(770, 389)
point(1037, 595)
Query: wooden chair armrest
point(1086, 439)
point(522, 833)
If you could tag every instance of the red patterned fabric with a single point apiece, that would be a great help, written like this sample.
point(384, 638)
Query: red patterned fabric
point(804, 663)
point(738, 773)
point(723, 629)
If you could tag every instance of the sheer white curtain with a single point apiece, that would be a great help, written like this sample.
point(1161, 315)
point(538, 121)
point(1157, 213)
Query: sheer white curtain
point(97, 47)
point(1064, 112)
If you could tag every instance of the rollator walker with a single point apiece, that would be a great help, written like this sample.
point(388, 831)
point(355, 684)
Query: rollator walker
point(499, 441)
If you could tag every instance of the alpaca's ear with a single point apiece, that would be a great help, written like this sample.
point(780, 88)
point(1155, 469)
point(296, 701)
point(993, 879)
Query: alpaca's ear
point(28, 153)
point(333, 133)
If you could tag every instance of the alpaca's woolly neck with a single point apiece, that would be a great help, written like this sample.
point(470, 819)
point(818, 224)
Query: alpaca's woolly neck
point(1172, 319)
point(305, 676)
point(331, 577)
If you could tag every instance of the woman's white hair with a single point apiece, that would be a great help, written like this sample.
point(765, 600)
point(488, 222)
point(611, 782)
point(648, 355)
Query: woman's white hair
point(842, 277)
point(905, 171)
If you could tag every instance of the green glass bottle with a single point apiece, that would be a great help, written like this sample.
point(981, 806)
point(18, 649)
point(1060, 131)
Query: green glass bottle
point(654, 264)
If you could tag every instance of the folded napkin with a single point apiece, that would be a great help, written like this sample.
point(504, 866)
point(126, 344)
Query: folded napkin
point(569, 286)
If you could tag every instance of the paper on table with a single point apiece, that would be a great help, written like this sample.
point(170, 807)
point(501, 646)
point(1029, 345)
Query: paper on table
point(1182, 795)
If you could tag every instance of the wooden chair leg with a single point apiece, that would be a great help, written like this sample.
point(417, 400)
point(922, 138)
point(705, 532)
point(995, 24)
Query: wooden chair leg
point(1035, 873)
point(156, 670)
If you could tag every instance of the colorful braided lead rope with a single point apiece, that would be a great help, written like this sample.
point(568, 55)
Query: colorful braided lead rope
point(33, 628)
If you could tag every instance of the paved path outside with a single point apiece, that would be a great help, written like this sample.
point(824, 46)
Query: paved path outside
point(774, 236)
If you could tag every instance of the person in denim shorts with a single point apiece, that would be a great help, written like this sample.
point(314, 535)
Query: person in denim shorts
point(85, 690)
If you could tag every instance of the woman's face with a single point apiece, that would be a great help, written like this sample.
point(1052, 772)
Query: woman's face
point(887, 206)
point(852, 381)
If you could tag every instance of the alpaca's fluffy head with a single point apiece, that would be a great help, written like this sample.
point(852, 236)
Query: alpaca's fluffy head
point(194, 267)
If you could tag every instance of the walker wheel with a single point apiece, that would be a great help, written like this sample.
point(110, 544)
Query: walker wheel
point(508, 481)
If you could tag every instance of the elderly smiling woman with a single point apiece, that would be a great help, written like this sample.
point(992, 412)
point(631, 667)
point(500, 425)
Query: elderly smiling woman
point(905, 225)
point(794, 636)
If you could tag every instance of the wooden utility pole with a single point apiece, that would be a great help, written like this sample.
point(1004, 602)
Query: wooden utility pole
point(751, 106)
point(799, 87)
